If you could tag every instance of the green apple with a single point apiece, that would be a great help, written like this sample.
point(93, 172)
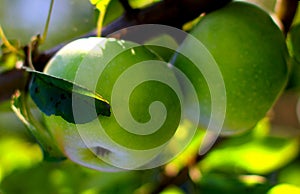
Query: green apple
point(111, 67)
point(251, 54)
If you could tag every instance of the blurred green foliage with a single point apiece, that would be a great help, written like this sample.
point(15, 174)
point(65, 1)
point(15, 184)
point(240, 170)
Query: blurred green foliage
point(256, 151)
point(248, 163)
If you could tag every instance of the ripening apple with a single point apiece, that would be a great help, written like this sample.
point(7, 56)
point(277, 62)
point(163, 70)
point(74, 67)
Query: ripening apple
point(251, 54)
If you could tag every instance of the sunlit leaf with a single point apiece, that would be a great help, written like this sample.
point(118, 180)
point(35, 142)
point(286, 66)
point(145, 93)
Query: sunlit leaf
point(9, 52)
point(252, 153)
point(141, 3)
point(94, 2)
point(57, 96)
point(100, 4)
point(172, 190)
point(8, 58)
point(284, 188)
point(15, 153)
point(7, 62)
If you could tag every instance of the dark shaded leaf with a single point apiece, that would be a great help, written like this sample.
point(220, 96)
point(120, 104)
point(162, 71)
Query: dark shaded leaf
point(57, 96)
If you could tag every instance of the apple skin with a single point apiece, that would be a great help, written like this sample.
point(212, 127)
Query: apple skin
point(251, 54)
point(109, 147)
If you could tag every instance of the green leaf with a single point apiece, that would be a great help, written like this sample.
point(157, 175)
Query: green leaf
point(50, 150)
point(61, 97)
point(7, 62)
point(113, 11)
point(8, 59)
point(252, 152)
point(100, 4)
point(25, 154)
point(284, 188)
point(94, 2)
point(141, 3)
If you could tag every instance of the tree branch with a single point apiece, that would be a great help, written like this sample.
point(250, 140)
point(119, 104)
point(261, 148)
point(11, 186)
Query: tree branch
point(9, 82)
point(173, 13)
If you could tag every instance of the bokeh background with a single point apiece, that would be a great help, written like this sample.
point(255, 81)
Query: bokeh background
point(263, 160)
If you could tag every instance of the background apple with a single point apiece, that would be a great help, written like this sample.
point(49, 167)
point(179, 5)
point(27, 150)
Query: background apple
point(251, 53)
